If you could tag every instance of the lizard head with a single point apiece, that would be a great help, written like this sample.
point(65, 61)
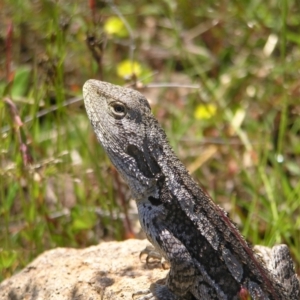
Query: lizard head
point(122, 120)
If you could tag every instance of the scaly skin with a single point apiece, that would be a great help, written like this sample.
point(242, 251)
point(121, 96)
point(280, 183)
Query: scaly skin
point(209, 258)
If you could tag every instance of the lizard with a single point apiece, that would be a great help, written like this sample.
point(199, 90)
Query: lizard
point(208, 256)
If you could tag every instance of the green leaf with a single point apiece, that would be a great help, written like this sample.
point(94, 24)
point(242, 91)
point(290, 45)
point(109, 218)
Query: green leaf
point(11, 196)
point(2, 88)
point(7, 258)
point(83, 220)
point(21, 81)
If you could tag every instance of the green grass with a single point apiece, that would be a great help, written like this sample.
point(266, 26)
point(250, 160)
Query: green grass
point(239, 132)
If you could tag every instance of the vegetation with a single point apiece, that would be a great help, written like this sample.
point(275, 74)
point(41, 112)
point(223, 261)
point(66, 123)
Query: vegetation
point(222, 78)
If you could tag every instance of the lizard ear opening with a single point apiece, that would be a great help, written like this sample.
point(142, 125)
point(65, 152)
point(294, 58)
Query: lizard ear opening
point(118, 109)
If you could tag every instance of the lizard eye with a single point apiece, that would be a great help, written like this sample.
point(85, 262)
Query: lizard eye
point(118, 110)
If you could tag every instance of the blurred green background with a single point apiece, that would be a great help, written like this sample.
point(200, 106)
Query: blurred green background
point(222, 77)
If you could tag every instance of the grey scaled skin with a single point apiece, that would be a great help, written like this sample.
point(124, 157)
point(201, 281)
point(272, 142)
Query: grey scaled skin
point(208, 257)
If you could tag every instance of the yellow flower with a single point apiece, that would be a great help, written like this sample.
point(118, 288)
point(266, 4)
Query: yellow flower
point(205, 111)
point(128, 68)
point(115, 26)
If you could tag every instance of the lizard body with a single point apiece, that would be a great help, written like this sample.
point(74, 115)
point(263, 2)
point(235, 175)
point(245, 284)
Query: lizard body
point(208, 257)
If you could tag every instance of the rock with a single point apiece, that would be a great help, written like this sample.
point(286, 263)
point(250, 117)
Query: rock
point(110, 270)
